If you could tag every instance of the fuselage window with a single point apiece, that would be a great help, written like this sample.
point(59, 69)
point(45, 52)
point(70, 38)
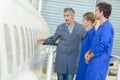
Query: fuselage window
point(0, 62)
point(17, 42)
point(23, 44)
point(0, 55)
point(28, 42)
point(8, 47)
point(35, 42)
point(31, 42)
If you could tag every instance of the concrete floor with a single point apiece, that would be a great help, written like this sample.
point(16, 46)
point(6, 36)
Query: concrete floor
point(54, 76)
point(42, 73)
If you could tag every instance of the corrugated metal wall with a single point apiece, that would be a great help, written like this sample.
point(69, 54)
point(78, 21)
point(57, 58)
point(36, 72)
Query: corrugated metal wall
point(52, 10)
point(115, 20)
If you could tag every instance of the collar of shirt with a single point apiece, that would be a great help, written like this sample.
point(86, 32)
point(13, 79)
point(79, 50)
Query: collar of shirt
point(70, 29)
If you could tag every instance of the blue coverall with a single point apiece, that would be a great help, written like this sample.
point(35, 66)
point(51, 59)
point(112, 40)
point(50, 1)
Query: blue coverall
point(86, 43)
point(101, 46)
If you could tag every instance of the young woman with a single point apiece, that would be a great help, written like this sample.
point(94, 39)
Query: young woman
point(88, 22)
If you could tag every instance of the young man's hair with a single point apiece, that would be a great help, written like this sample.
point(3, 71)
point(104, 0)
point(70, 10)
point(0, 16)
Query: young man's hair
point(69, 10)
point(106, 8)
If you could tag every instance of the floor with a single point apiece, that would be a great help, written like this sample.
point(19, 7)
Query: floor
point(54, 77)
point(113, 70)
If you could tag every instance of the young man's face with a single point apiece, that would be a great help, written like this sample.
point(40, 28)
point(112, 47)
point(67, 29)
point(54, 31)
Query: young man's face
point(69, 17)
point(97, 13)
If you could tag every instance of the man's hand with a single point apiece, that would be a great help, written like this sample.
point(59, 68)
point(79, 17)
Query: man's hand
point(92, 55)
point(40, 41)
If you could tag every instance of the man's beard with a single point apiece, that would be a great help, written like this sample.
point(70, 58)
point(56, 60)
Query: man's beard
point(67, 21)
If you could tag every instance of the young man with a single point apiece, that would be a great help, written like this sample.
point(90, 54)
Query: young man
point(98, 57)
point(70, 35)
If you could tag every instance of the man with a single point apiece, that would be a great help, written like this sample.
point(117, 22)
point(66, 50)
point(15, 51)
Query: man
point(98, 57)
point(70, 35)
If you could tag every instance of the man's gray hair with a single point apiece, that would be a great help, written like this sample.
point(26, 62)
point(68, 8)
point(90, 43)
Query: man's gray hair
point(69, 10)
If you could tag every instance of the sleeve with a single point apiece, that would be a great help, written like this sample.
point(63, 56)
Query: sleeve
point(83, 33)
point(51, 40)
point(103, 44)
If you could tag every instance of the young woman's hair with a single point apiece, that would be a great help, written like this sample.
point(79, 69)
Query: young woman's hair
point(89, 16)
